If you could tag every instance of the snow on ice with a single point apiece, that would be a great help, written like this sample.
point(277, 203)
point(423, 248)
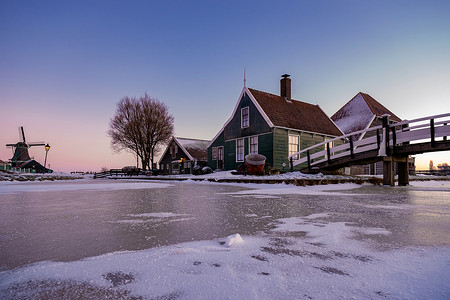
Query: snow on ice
point(325, 264)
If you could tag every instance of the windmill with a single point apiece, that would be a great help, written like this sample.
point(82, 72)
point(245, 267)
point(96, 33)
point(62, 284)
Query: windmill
point(21, 154)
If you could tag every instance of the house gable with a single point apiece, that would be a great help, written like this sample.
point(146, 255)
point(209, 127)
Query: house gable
point(258, 121)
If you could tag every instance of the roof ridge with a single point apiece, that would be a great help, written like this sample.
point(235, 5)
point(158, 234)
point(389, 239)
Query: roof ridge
point(294, 114)
point(191, 139)
point(282, 97)
point(367, 98)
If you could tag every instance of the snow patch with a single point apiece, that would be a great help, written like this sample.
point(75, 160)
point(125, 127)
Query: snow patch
point(233, 240)
point(157, 215)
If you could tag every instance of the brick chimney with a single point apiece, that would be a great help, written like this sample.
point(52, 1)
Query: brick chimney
point(285, 87)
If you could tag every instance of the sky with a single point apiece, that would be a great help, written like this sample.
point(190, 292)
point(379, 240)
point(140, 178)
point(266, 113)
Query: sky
point(64, 65)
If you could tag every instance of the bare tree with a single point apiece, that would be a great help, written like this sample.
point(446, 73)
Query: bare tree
point(141, 126)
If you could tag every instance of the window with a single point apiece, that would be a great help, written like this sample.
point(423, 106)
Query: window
point(240, 150)
point(174, 150)
point(219, 153)
point(214, 153)
point(245, 117)
point(293, 145)
point(254, 144)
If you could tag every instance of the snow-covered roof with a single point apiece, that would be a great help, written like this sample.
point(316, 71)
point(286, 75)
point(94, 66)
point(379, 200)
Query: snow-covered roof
point(198, 149)
point(195, 149)
point(359, 113)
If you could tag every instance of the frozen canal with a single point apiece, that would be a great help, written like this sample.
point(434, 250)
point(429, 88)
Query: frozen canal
point(152, 240)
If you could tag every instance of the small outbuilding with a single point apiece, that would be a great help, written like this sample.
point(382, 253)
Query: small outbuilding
point(32, 166)
point(363, 112)
point(183, 155)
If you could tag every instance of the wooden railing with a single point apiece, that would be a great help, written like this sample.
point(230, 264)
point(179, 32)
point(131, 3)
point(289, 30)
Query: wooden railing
point(383, 138)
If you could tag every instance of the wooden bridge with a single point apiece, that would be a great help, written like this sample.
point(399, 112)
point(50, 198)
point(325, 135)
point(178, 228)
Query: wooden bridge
point(390, 143)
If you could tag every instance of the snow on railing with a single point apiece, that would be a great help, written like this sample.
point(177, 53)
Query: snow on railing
point(375, 138)
point(423, 129)
point(322, 152)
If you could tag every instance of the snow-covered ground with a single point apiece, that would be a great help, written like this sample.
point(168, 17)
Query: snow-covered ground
point(304, 257)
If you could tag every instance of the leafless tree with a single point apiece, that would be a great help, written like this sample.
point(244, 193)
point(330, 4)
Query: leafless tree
point(141, 126)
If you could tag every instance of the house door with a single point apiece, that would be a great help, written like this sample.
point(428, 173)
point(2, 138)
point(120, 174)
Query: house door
point(220, 158)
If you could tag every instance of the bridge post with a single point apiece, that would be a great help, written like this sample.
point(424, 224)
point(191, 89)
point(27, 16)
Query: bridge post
point(403, 171)
point(388, 171)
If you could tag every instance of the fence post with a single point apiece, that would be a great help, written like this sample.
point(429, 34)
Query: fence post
point(445, 137)
point(386, 133)
point(433, 141)
point(352, 155)
point(378, 139)
point(309, 159)
point(394, 141)
point(292, 164)
point(328, 152)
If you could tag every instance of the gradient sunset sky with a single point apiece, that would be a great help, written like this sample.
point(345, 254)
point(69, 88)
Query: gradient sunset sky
point(65, 64)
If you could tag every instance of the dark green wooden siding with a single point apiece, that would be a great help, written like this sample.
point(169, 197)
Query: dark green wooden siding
point(230, 155)
point(220, 141)
point(280, 148)
point(257, 124)
point(265, 147)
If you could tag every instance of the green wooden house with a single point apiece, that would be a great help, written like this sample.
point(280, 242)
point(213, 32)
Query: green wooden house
point(275, 126)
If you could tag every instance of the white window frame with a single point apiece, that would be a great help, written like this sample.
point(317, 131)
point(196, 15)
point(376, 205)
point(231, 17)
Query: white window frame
point(240, 146)
point(253, 147)
point(245, 122)
point(291, 146)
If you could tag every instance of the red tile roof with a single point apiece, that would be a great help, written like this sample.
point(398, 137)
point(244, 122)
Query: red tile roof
point(295, 114)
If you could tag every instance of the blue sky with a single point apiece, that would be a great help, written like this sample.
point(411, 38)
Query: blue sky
point(65, 64)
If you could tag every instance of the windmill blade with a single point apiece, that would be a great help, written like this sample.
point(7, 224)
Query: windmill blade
point(40, 142)
point(35, 144)
point(11, 145)
point(23, 134)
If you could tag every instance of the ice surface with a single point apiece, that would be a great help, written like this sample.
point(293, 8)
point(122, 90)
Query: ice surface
point(17, 187)
point(271, 190)
point(310, 257)
point(325, 264)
